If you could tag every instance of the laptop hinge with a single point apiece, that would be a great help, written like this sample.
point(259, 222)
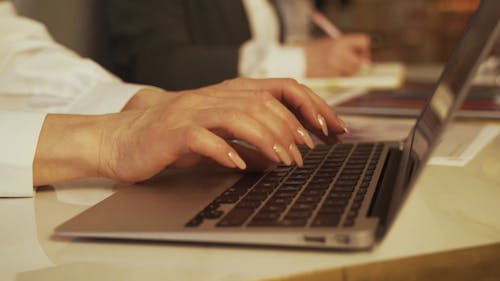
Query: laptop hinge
point(382, 197)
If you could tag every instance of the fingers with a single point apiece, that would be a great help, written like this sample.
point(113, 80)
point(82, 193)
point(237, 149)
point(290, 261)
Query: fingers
point(253, 158)
point(272, 115)
point(348, 53)
point(360, 43)
point(333, 123)
point(349, 62)
point(203, 142)
point(281, 122)
point(266, 109)
point(240, 125)
point(291, 93)
point(318, 115)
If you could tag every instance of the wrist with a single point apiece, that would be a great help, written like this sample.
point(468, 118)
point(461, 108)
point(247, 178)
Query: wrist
point(147, 97)
point(68, 148)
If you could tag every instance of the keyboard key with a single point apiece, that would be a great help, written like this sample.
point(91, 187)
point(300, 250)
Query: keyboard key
point(280, 200)
point(273, 208)
point(294, 222)
point(308, 199)
point(348, 223)
point(313, 192)
point(298, 214)
point(266, 217)
point(339, 194)
point(352, 214)
point(355, 205)
point(228, 199)
point(236, 217)
point(248, 204)
point(336, 202)
point(286, 193)
point(253, 196)
point(298, 206)
point(211, 214)
point(196, 221)
point(289, 188)
point(344, 188)
point(325, 209)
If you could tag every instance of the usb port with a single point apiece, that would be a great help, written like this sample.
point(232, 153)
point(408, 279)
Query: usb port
point(315, 239)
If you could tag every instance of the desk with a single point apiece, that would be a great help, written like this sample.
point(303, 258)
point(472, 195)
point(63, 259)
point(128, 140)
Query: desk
point(451, 208)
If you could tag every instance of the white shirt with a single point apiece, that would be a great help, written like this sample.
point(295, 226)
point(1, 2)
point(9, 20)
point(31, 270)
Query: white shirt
point(263, 55)
point(39, 76)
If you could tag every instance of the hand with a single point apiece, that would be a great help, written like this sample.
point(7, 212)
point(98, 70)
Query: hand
point(148, 96)
point(337, 57)
point(181, 131)
point(198, 124)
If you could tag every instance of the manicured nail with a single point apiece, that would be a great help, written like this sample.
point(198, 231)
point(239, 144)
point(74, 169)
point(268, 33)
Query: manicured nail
point(296, 155)
point(282, 154)
point(306, 137)
point(344, 126)
point(245, 144)
point(322, 124)
point(237, 160)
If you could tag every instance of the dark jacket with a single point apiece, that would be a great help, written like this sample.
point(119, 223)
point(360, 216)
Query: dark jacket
point(177, 44)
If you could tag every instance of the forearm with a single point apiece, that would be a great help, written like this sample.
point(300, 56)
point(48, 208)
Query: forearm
point(68, 148)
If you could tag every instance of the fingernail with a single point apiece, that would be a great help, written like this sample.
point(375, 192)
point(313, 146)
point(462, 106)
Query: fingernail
point(237, 160)
point(344, 126)
point(245, 144)
point(306, 137)
point(322, 124)
point(296, 155)
point(282, 154)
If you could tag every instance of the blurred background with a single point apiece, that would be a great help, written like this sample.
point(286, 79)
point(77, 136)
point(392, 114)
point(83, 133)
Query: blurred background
point(416, 31)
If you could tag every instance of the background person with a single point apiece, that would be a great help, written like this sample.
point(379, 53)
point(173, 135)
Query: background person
point(183, 44)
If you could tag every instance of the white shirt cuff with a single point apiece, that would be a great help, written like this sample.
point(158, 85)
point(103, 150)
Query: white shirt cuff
point(261, 60)
point(20, 132)
point(286, 62)
point(105, 98)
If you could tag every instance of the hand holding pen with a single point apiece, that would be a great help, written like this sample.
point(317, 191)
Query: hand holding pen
point(338, 54)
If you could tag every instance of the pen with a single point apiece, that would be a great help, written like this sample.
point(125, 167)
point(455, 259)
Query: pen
point(326, 25)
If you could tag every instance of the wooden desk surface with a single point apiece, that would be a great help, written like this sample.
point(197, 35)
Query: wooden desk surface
point(451, 209)
point(476, 263)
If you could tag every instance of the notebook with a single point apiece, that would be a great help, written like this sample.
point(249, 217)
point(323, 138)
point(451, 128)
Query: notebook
point(346, 196)
point(380, 75)
point(481, 102)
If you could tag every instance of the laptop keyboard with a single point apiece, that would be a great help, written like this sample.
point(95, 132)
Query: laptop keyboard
point(327, 191)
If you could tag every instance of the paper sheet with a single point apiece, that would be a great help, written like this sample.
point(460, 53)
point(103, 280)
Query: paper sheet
point(463, 143)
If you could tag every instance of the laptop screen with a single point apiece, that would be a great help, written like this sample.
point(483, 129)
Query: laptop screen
point(450, 91)
point(455, 80)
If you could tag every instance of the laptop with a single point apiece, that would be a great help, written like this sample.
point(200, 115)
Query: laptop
point(346, 196)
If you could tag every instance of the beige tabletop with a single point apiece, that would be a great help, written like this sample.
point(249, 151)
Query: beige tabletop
point(450, 208)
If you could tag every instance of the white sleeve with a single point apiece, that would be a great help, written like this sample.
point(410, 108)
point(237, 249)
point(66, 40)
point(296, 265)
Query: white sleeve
point(260, 59)
point(19, 133)
point(37, 74)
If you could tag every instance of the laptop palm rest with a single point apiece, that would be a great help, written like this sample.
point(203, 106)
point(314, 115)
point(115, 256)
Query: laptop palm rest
point(161, 204)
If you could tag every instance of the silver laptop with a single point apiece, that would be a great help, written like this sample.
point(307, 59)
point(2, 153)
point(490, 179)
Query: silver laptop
point(346, 196)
